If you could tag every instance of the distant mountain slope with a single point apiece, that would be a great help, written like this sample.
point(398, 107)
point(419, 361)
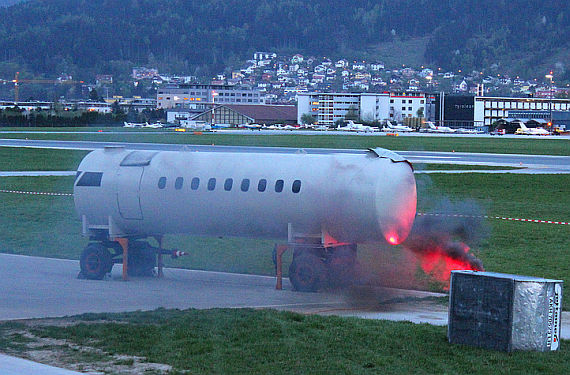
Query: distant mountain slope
point(94, 36)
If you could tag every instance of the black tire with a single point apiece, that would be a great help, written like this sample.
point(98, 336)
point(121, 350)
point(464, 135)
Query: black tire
point(95, 262)
point(307, 273)
point(343, 267)
point(142, 259)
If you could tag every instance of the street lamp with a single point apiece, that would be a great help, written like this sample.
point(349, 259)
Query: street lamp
point(550, 77)
point(214, 94)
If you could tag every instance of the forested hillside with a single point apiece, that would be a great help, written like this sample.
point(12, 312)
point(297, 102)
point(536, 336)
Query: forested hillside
point(5, 3)
point(86, 37)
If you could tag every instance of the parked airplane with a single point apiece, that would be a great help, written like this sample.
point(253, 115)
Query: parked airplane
point(134, 124)
point(530, 131)
point(398, 127)
point(154, 125)
point(468, 131)
point(352, 127)
point(252, 126)
point(432, 128)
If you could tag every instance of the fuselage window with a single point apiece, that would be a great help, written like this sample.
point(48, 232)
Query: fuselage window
point(228, 184)
point(296, 186)
point(245, 184)
point(162, 182)
point(278, 186)
point(211, 184)
point(178, 183)
point(195, 183)
point(262, 185)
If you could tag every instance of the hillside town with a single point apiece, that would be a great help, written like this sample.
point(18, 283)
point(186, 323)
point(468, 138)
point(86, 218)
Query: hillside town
point(272, 88)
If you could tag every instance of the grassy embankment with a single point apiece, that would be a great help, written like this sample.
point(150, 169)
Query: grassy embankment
point(230, 341)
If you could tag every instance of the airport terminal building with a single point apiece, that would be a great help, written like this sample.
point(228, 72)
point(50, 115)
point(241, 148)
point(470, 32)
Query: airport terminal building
point(482, 111)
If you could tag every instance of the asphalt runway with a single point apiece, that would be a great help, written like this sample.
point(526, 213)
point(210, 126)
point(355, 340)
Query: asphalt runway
point(35, 287)
point(532, 163)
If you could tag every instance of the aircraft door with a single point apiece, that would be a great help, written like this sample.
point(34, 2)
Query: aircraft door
point(128, 192)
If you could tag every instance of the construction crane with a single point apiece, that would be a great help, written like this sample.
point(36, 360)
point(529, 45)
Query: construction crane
point(17, 81)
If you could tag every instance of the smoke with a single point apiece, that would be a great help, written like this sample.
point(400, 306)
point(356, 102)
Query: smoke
point(440, 242)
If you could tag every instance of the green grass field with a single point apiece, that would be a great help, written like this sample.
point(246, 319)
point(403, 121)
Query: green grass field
point(404, 143)
point(244, 341)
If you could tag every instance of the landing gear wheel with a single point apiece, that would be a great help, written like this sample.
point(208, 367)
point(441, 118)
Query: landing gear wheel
point(142, 259)
point(95, 262)
point(343, 267)
point(307, 273)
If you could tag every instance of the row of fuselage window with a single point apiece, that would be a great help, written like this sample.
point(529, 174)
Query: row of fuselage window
point(262, 184)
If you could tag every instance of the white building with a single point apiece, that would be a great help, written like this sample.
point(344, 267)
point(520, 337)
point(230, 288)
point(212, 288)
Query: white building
point(187, 95)
point(490, 109)
point(327, 108)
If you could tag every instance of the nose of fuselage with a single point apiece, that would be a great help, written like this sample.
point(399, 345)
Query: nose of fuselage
point(396, 200)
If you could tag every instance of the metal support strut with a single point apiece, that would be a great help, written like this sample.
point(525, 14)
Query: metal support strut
point(160, 263)
point(279, 250)
point(124, 242)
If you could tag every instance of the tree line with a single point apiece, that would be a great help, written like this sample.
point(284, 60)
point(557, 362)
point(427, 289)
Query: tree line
point(88, 37)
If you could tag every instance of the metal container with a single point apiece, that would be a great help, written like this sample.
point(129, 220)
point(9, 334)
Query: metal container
point(504, 312)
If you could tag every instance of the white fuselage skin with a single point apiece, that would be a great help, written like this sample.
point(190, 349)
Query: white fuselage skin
point(349, 197)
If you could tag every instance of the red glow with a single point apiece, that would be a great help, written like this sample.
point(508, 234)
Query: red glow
point(393, 240)
point(438, 264)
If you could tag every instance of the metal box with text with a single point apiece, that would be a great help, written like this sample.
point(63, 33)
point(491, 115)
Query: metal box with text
point(504, 312)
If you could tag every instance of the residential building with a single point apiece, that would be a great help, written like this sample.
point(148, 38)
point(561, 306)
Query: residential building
point(328, 108)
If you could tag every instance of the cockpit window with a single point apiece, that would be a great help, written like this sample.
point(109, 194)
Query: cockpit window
point(90, 179)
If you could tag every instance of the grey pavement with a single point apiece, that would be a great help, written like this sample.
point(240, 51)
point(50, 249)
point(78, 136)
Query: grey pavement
point(43, 287)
